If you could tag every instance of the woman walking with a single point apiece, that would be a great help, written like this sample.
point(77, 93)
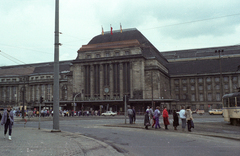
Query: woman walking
point(189, 117)
point(165, 118)
point(156, 115)
point(146, 120)
point(7, 121)
point(175, 120)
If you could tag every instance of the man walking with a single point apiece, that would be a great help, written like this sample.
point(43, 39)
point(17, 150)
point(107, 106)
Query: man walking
point(7, 121)
point(151, 115)
point(134, 115)
point(183, 118)
point(130, 114)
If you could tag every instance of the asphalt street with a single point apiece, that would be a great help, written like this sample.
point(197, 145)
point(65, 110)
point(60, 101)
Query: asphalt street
point(138, 141)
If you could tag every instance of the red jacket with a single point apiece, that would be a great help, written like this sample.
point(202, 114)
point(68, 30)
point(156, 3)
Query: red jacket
point(165, 113)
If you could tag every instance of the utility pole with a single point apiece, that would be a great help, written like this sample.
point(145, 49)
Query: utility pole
point(56, 72)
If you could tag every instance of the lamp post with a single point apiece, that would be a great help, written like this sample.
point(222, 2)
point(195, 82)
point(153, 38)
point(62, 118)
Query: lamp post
point(220, 66)
point(56, 72)
point(74, 101)
point(23, 99)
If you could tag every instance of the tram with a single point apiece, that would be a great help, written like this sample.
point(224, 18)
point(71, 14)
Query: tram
point(231, 108)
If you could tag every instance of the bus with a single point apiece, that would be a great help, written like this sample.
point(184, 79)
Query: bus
point(231, 108)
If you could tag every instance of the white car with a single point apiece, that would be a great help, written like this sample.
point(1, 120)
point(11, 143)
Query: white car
point(109, 113)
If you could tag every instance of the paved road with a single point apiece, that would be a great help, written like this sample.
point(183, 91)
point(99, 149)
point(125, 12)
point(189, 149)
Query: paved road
point(138, 141)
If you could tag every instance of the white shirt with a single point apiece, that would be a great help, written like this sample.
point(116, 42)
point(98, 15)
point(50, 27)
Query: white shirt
point(182, 114)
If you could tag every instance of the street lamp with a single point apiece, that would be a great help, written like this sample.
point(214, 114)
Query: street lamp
point(220, 66)
point(74, 101)
point(23, 98)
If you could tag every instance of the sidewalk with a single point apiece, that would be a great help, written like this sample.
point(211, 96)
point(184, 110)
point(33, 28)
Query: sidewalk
point(31, 141)
point(205, 129)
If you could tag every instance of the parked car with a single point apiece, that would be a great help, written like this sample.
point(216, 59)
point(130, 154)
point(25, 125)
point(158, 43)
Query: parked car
point(109, 113)
point(215, 112)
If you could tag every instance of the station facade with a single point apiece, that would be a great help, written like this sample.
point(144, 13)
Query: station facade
point(126, 63)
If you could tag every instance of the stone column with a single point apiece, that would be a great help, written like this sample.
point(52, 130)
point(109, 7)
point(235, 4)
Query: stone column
point(131, 80)
point(111, 80)
point(91, 81)
point(101, 81)
point(230, 84)
point(121, 79)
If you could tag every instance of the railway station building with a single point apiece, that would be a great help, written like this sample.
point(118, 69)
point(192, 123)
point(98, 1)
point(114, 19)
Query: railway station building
point(126, 63)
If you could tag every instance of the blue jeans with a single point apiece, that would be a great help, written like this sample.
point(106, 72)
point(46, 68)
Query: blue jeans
point(157, 122)
point(6, 126)
point(183, 123)
point(130, 119)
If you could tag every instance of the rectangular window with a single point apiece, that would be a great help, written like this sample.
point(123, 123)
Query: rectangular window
point(192, 87)
point(235, 79)
point(192, 80)
point(184, 88)
point(176, 88)
point(209, 87)
point(232, 102)
point(116, 80)
point(218, 97)
point(226, 86)
point(193, 97)
point(97, 55)
point(225, 102)
point(97, 80)
point(200, 80)
point(184, 81)
point(208, 79)
point(200, 87)
point(48, 92)
point(107, 54)
point(117, 54)
point(126, 78)
point(238, 101)
point(127, 53)
point(176, 81)
point(217, 87)
point(209, 96)
point(177, 96)
point(106, 74)
point(184, 96)
point(87, 79)
point(217, 79)
point(201, 97)
point(225, 79)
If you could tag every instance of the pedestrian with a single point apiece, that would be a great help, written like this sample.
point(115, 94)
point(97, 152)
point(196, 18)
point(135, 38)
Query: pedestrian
point(188, 114)
point(165, 118)
point(146, 120)
point(182, 117)
point(157, 115)
point(151, 114)
point(175, 120)
point(130, 114)
point(7, 121)
point(154, 121)
point(134, 115)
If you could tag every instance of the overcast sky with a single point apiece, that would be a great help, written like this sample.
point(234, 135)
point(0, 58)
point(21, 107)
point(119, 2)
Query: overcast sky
point(27, 26)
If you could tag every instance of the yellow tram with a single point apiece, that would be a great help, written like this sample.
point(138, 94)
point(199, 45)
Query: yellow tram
point(231, 108)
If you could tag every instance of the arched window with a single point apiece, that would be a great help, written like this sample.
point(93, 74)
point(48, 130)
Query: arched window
point(64, 92)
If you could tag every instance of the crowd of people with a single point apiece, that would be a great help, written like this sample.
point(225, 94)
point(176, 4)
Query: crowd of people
point(151, 118)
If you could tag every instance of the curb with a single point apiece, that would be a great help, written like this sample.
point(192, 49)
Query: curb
point(226, 136)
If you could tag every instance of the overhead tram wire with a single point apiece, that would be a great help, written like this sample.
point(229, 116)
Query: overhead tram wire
point(10, 57)
point(207, 19)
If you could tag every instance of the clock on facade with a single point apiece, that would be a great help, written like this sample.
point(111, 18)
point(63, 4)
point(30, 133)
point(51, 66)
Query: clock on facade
point(106, 89)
